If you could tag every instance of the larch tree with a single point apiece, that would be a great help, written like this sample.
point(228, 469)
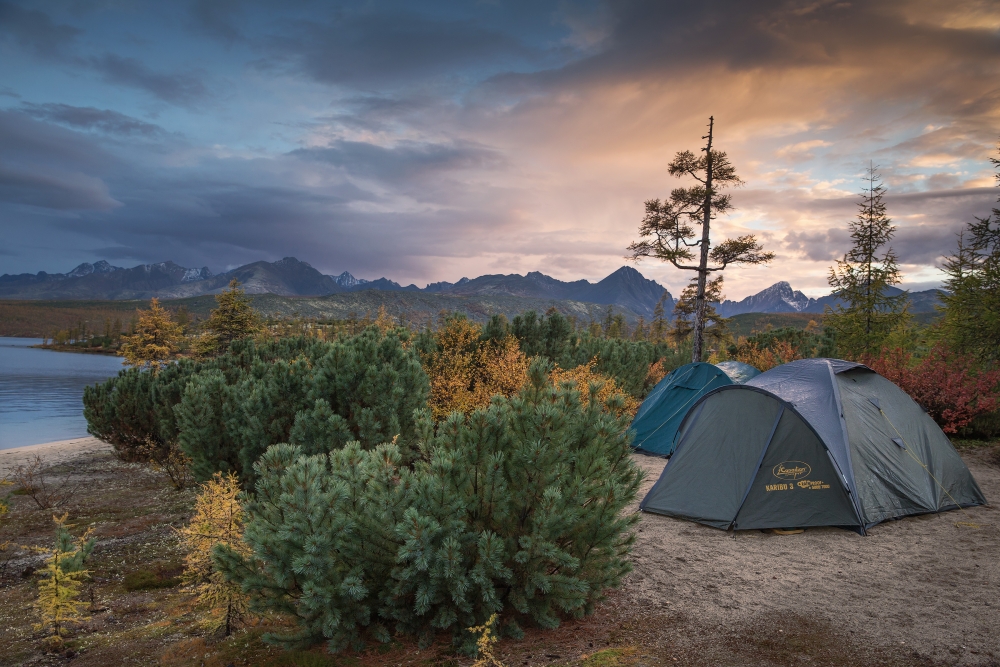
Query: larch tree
point(716, 326)
point(867, 313)
point(217, 520)
point(668, 234)
point(971, 302)
point(233, 319)
point(154, 340)
point(62, 576)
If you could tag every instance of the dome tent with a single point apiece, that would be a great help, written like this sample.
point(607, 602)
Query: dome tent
point(660, 415)
point(738, 372)
point(817, 442)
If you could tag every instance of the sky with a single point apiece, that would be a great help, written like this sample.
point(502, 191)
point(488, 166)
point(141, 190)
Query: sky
point(434, 140)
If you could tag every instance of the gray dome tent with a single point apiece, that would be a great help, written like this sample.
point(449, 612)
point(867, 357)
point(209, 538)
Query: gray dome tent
point(817, 442)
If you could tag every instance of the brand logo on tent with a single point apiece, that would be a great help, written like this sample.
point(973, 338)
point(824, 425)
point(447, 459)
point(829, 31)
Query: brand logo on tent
point(791, 470)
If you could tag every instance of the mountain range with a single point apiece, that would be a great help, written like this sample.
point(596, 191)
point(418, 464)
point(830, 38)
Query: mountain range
point(626, 288)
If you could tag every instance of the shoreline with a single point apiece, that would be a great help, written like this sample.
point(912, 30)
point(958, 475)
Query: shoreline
point(58, 451)
point(78, 350)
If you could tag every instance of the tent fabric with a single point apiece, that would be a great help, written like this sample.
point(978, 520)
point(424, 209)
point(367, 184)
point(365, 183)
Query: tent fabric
point(656, 422)
point(817, 442)
point(737, 371)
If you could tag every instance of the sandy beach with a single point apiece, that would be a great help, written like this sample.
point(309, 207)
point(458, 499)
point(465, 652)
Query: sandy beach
point(53, 453)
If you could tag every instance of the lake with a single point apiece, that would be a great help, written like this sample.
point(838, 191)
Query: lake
point(41, 391)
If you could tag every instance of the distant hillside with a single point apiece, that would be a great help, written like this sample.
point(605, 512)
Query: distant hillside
point(101, 281)
point(747, 324)
point(626, 288)
point(35, 319)
point(781, 298)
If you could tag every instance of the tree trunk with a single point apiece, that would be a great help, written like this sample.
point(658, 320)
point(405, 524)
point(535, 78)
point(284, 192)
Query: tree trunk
point(699, 306)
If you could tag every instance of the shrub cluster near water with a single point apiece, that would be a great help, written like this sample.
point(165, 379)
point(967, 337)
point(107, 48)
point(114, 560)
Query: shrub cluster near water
point(408, 482)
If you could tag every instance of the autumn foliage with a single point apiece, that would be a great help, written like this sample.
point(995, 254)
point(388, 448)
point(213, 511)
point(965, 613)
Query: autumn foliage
point(466, 372)
point(62, 576)
point(952, 387)
point(765, 358)
point(584, 376)
point(217, 520)
point(155, 339)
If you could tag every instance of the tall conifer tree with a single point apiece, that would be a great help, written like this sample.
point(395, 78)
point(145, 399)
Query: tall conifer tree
point(971, 304)
point(233, 319)
point(867, 314)
point(667, 225)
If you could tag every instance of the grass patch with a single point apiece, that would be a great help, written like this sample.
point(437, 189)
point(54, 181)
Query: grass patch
point(164, 576)
point(611, 657)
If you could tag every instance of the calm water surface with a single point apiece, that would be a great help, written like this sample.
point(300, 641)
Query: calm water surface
point(41, 391)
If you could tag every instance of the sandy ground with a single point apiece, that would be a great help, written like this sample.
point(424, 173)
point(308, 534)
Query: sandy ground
point(919, 591)
point(922, 584)
point(52, 453)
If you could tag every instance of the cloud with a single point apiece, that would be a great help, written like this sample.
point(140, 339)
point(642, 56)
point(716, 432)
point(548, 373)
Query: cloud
point(90, 118)
point(403, 161)
point(370, 50)
point(49, 167)
point(177, 88)
point(35, 31)
point(429, 141)
point(54, 190)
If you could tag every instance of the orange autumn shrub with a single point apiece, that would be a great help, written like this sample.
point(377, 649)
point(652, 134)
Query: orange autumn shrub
point(585, 375)
point(780, 352)
point(465, 373)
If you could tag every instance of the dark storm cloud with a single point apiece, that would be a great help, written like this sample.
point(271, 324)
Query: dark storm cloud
point(24, 140)
point(176, 88)
point(372, 50)
point(215, 17)
point(90, 118)
point(405, 160)
point(54, 190)
point(49, 167)
point(652, 34)
point(35, 31)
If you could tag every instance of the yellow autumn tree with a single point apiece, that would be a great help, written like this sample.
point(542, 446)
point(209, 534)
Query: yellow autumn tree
point(466, 372)
point(155, 339)
point(451, 368)
point(62, 576)
point(384, 321)
point(218, 519)
point(501, 369)
point(584, 376)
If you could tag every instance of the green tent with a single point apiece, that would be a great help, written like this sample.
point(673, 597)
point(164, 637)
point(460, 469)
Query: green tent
point(656, 422)
point(817, 442)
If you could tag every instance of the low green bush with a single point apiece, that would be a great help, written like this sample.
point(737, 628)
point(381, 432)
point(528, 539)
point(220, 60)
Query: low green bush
point(515, 509)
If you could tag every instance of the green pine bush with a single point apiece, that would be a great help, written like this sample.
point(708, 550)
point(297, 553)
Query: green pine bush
point(515, 509)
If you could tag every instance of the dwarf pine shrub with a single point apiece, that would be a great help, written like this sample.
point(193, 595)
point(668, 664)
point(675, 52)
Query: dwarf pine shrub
point(224, 412)
point(514, 509)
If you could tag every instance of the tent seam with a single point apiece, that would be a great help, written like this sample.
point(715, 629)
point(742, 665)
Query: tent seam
point(756, 470)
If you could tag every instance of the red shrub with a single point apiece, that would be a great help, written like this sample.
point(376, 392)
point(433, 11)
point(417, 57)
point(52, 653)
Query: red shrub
point(951, 387)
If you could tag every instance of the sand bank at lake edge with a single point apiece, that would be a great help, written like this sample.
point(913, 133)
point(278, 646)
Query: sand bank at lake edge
point(51, 452)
